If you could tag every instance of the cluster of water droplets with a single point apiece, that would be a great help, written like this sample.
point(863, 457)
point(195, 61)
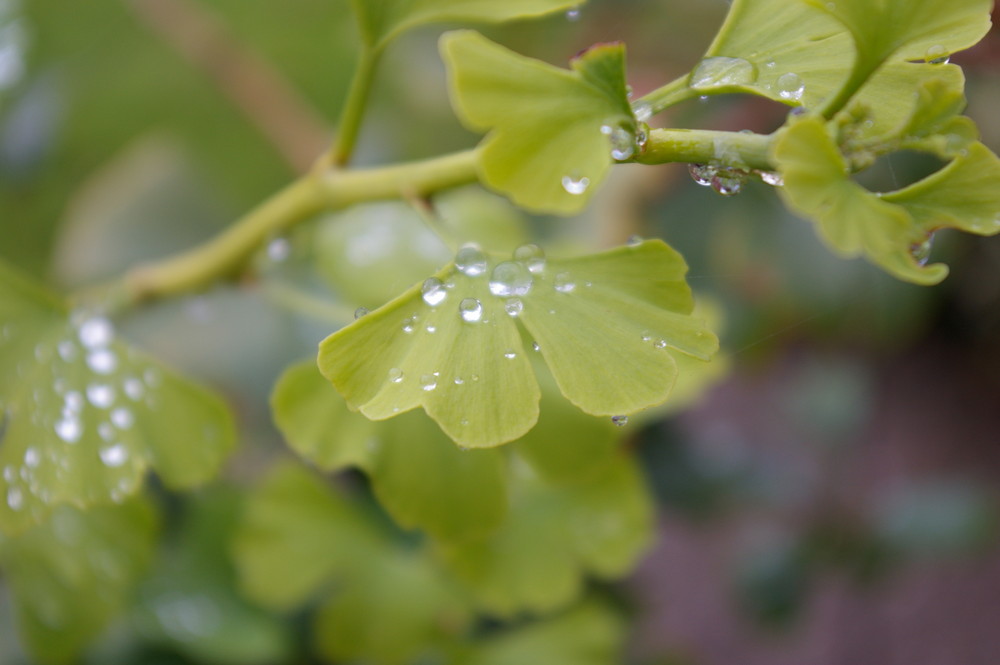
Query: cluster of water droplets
point(729, 181)
point(87, 413)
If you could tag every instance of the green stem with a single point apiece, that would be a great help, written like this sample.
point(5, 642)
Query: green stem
point(666, 96)
point(227, 253)
point(698, 146)
point(354, 106)
point(859, 76)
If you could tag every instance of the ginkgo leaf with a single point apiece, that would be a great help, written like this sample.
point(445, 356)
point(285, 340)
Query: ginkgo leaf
point(554, 535)
point(85, 415)
point(892, 230)
point(607, 325)
point(551, 131)
point(71, 575)
point(383, 602)
point(590, 634)
point(417, 473)
point(383, 20)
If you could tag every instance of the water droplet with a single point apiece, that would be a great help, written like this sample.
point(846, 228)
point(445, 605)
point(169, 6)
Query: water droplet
point(102, 361)
point(463, 422)
point(96, 332)
point(408, 324)
point(73, 402)
point(621, 421)
point(574, 185)
point(531, 256)
point(114, 456)
point(69, 429)
point(642, 111)
point(279, 250)
point(433, 292)
point(535, 346)
point(101, 395)
point(122, 418)
point(647, 336)
point(727, 183)
point(720, 71)
point(573, 14)
point(790, 86)
point(471, 310)
point(359, 312)
point(921, 251)
point(510, 355)
point(471, 261)
point(936, 55)
point(32, 458)
point(396, 375)
point(430, 329)
point(459, 380)
point(9, 474)
point(772, 178)
point(622, 144)
point(661, 344)
point(428, 382)
point(67, 350)
point(15, 498)
point(564, 283)
point(514, 307)
point(702, 173)
point(634, 240)
point(133, 388)
point(510, 278)
point(475, 377)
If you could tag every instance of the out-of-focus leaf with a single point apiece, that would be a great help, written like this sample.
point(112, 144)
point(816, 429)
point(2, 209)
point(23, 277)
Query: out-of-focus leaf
point(85, 415)
point(607, 325)
point(553, 536)
point(383, 20)
point(548, 146)
point(417, 473)
point(72, 574)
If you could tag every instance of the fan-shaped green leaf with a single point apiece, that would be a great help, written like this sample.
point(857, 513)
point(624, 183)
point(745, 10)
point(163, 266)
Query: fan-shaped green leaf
point(892, 229)
point(607, 325)
point(382, 20)
point(587, 635)
point(296, 536)
point(72, 574)
point(84, 415)
point(548, 146)
point(553, 536)
point(417, 473)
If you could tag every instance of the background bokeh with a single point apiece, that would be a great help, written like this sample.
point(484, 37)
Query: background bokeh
point(832, 500)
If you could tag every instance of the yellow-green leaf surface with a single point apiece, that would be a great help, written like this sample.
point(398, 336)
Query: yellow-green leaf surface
point(85, 415)
point(382, 20)
point(297, 536)
point(587, 635)
point(71, 575)
point(891, 229)
point(382, 603)
point(548, 145)
point(607, 325)
point(555, 535)
point(909, 29)
point(420, 477)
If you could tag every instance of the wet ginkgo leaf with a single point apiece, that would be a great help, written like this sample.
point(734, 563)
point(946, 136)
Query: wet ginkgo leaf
point(383, 20)
point(420, 477)
point(607, 325)
point(85, 416)
point(552, 131)
point(893, 230)
point(554, 535)
point(71, 575)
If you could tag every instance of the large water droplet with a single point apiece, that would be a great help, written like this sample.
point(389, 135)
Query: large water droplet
point(102, 361)
point(575, 185)
point(96, 332)
point(622, 142)
point(510, 278)
point(790, 86)
point(428, 382)
point(532, 257)
point(471, 261)
point(101, 395)
point(564, 283)
point(936, 55)
point(922, 251)
point(720, 71)
point(69, 429)
point(514, 307)
point(727, 183)
point(772, 178)
point(470, 310)
point(702, 173)
point(621, 421)
point(433, 292)
point(114, 456)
